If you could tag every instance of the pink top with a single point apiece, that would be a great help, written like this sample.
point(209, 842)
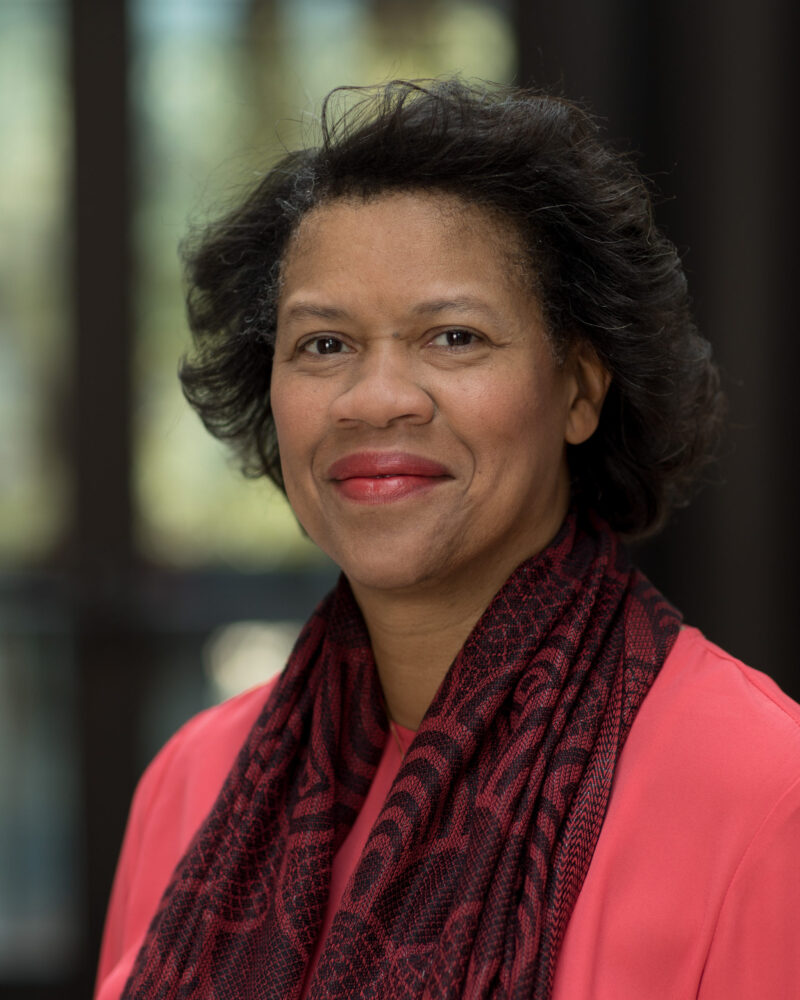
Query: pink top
point(694, 887)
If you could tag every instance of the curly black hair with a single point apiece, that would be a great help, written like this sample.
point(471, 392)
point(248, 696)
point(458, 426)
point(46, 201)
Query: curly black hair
point(601, 269)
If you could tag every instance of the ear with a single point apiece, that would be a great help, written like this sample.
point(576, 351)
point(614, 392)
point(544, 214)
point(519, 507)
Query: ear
point(590, 382)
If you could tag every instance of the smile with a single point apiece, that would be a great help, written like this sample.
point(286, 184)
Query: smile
point(385, 477)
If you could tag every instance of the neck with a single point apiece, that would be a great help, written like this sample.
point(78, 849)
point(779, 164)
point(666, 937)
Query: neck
point(416, 632)
point(416, 636)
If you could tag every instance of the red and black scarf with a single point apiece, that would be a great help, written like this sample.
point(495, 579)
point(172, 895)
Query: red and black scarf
point(469, 876)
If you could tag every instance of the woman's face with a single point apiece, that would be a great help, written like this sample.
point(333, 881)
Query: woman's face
point(420, 414)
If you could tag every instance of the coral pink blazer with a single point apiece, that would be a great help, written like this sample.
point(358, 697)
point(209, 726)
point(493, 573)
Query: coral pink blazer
point(694, 887)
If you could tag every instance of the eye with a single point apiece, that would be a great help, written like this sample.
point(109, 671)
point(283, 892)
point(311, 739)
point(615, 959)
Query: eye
point(455, 337)
point(324, 345)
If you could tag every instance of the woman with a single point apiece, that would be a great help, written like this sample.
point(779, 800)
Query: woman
point(496, 763)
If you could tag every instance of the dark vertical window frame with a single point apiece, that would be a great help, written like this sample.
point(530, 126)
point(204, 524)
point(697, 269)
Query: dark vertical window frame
point(110, 652)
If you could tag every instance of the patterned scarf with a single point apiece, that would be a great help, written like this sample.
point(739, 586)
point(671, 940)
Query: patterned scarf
point(469, 876)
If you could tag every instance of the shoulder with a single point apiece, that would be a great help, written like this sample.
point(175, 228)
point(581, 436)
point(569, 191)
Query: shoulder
point(220, 723)
point(713, 739)
point(736, 740)
point(695, 877)
point(216, 728)
point(171, 801)
point(696, 664)
point(709, 716)
point(190, 769)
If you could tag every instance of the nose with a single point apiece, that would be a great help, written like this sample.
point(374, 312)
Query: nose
point(382, 390)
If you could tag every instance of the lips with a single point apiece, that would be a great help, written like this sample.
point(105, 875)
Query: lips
point(372, 464)
point(382, 477)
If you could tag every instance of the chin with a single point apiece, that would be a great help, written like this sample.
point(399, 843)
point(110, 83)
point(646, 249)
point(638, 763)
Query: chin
point(381, 584)
point(391, 567)
point(385, 575)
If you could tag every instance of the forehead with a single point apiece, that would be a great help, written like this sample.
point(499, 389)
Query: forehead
point(413, 230)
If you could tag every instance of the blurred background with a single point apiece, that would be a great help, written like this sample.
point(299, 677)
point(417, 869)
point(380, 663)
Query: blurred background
point(141, 578)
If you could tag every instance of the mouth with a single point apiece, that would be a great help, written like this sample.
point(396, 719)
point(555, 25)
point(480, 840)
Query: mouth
point(383, 477)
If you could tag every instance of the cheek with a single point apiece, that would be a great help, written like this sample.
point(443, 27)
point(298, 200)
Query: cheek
point(510, 414)
point(300, 417)
point(289, 427)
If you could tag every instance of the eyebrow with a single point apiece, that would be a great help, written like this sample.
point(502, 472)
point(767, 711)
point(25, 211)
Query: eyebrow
point(461, 303)
point(302, 310)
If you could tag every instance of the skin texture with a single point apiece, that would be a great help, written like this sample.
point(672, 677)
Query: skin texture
point(403, 326)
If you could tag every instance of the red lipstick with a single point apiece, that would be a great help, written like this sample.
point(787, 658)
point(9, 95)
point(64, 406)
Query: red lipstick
point(376, 477)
